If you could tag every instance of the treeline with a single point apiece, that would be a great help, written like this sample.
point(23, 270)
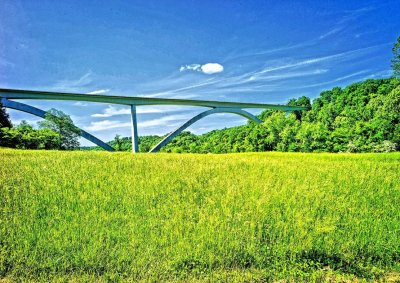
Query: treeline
point(24, 136)
point(57, 131)
point(363, 117)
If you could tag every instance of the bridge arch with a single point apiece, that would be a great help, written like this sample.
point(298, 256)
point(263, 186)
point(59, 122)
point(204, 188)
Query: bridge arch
point(133, 102)
point(42, 114)
point(196, 118)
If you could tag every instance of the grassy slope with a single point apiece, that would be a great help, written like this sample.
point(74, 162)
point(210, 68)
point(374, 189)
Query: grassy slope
point(260, 216)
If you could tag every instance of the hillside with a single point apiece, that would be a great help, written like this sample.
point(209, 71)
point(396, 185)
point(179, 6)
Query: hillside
point(363, 117)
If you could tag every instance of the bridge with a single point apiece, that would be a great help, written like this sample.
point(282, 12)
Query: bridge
point(9, 97)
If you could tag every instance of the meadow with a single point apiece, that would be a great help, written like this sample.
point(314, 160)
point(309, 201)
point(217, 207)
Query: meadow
point(98, 216)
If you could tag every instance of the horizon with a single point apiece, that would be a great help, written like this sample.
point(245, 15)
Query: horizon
point(240, 52)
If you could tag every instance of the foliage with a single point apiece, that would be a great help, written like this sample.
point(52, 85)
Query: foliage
point(396, 58)
point(56, 132)
point(125, 143)
point(359, 118)
point(4, 118)
point(62, 124)
point(24, 136)
point(264, 217)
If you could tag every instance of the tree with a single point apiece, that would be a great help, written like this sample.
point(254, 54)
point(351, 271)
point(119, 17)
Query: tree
point(24, 136)
point(118, 142)
point(62, 124)
point(396, 58)
point(4, 118)
point(24, 126)
point(302, 101)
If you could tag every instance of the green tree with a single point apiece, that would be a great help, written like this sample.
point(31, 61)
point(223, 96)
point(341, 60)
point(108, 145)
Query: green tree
point(47, 139)
point(301, 101)
point(62, 124)
point(396, 58)
point(24, 136)
point(4, 118)
point(118, 143)
point(10, 137)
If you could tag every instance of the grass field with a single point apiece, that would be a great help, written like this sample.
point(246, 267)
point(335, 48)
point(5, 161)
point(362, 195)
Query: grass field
point(97, 216)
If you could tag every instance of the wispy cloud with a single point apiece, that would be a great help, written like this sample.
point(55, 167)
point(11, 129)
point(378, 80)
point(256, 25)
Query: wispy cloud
point(100, 91)
point(288, 75)
point(74, 85)
point(98, 126)
point(112, 111)
point(82, 84)
point(80, 103)
point(191, 67)
point(163, 122)
point(115, 111)
point(331, 32)
point(379, 74)
point(315, 60)
point(170, 120)
point(239, 54)
point(339, 79)
point(344, 22)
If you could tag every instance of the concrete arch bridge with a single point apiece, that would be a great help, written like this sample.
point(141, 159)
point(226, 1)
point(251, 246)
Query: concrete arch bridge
point(9, 97)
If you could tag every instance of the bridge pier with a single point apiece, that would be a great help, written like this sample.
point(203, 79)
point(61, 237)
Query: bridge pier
point(135, 135)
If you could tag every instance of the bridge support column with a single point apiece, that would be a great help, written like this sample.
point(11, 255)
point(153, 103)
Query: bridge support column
point(135, 136)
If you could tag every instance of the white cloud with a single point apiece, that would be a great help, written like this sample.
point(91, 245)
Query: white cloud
point(74, 85)
point(99, 91)
point(163, 121)
point(192, 67)
point(288, 75)
point(209, 68)
point(380, 74)
point(106, 125)
point(331, 32)
point(112, 111)
point(80, 103)
point(212, 68)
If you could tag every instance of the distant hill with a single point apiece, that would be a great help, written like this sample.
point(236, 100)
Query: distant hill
point(363, 117)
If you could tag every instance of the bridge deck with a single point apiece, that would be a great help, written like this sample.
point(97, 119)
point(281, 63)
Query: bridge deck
point(132, 100)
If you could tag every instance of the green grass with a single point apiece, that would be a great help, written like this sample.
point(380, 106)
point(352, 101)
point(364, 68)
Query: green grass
point(87, 216)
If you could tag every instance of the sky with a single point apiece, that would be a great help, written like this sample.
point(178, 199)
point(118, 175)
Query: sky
point(245, 51)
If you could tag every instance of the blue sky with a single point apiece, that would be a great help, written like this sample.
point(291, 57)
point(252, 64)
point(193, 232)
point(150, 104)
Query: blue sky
point(252, 51)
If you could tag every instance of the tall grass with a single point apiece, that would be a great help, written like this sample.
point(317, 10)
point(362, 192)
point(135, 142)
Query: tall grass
point(103, 216)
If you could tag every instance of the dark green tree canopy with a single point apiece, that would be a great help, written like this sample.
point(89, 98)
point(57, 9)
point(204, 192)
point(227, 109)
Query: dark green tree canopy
point(4, 118)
